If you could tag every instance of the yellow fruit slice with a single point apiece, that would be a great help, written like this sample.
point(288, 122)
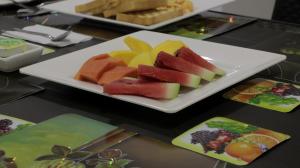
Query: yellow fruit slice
point(262, 139)
point(125, 55)
point(142, 58)
point(137, 45)
point(168, 46)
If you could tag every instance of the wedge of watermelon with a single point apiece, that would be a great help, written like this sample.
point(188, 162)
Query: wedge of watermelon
point(93, 69)
point(165, 60)
point(117, 73)
point(166, 75)
point(156, 90)
point(192, 57)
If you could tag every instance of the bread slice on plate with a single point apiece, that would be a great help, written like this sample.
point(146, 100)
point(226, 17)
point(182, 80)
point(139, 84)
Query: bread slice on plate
point(134, 5)
point(150, 17)
point(97, 6)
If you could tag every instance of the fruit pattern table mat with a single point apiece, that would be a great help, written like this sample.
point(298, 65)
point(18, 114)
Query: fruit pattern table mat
point(9, 124)
point(51, 142)
point(228, 140)
point(269, 94)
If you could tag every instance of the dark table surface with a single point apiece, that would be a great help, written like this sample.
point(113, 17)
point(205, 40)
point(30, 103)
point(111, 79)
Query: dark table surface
point(264, 35)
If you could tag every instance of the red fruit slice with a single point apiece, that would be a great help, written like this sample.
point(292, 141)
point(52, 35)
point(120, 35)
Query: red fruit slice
point(156, 90)
point(165, 60)
point(93, 69)
point(117, 73)
point(166, 75)
point(98, 57)
point(194, 58)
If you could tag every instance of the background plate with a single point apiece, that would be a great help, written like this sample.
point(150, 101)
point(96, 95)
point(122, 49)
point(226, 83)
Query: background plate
point(239, 63)
point(7, 2)
point(68, 7)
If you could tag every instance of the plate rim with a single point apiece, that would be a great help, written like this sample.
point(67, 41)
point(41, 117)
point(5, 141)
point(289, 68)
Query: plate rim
point(174, 109)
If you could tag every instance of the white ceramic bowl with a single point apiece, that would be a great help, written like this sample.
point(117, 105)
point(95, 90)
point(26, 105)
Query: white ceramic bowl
point(14, 62)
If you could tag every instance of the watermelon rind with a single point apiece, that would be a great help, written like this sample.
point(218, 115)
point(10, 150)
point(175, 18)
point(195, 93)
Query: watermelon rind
point(172, 90)
point(194, 81)
point(207, 75)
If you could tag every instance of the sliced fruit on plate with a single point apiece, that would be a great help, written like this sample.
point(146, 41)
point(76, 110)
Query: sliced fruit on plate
point(98, 57)
point(192, 57)
point(125, 55)
point(165, 60)
point(156, 90)
point(117, 73)
point(261, 139)
point(165, 75)
point(137, 45)
point(93, 69)
point(141, 59)
point(168, 46)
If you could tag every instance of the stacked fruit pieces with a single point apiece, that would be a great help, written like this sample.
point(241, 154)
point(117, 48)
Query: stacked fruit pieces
point(157, 72)
point(103, 69)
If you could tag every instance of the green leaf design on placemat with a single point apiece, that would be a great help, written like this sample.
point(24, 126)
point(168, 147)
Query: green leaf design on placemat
point(110, 158)
point(233, 127)
point(62, 157)
point(121, 163)
point(6, 162)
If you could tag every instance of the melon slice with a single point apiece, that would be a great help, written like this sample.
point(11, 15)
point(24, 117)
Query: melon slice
point(168, 46)
point(165, 60)
point(192, 57)
point(137, 45)
point(125, 55)
point(93, 69)
point(141, 59)
point(165, 75)
point(117, 73)
point(156, 90)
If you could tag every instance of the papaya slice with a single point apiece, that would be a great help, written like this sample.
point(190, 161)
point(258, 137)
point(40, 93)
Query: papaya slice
point(93, 69)
point(117, 73)
point(97, 57)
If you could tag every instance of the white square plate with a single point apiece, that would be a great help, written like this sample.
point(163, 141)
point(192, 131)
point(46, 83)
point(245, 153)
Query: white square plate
point(239, 63)
point(68, 7)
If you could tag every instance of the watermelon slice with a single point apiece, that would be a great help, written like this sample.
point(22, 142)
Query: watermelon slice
point(165, 60)
point(192, 57)
point(117, 73)
point(93, 69)
point(156, 90)
point(184, 79)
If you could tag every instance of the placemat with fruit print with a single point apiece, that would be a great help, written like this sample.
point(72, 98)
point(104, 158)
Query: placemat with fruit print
point(269, 94)
point(229, 140)
point(9, 124)
point(30, 147)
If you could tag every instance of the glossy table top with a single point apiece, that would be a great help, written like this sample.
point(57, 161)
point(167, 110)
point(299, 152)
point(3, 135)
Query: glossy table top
point(264, 35)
